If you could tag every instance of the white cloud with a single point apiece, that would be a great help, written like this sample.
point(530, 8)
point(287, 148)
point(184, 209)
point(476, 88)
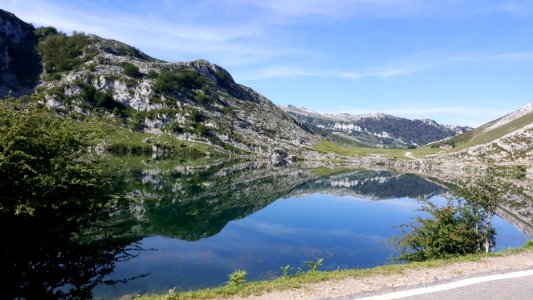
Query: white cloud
point(282, 9)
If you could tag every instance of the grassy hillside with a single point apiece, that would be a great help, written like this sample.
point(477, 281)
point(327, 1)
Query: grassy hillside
point(482, 136)
point(477, 136)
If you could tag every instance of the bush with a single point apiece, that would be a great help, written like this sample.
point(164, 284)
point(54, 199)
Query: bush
point(313, 265)
point(237, 278)
point(171, 82)
point(457, 228)
point(152, 74)
point(130, 70)
point(100, 99)
point(39, 163)
point(62, 53)
point(202, 99)
point(197, 116)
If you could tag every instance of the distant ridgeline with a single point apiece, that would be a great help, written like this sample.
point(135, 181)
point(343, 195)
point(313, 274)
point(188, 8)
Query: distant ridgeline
point(375, 130)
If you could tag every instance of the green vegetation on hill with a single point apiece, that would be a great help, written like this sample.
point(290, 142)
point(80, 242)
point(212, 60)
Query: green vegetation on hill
point(61, 53)
point(482, 136)
point(172, 82)
point(325, 146)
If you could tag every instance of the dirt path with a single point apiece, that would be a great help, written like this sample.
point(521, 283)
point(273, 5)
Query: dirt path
point(408, 279)
point(409, 155)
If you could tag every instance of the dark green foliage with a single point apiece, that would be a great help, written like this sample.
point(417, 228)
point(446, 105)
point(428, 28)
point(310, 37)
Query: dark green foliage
point(136, 122)
point(411, 147)
point(457, 228)
point(130, 70)
point(100, 99)
point(230, 111)
point(197, 116)
point(450, 143)
point(486, 192)
point(202, 130)
point(54, 208)
point(172, 82)
point(44, 32)
point(202, 99)
point(63, 53)
point(174, 127)
point(224, 79)
point(38, 158)
point(152, 74)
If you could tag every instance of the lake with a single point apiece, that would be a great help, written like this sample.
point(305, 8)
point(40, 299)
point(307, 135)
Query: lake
point(193, 225)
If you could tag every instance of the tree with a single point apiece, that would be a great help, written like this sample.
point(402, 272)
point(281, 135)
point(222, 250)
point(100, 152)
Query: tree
point(39, 158)
point(58, 237)
point(486, 192)
point(456, 228)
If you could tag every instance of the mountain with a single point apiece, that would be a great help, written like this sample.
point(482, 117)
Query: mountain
point(19, 60)
point(88, 76)
point(509, 138)
point(376, 130)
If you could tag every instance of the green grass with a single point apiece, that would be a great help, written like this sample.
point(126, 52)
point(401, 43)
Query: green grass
point(325, 146)
point(323, 171)
point(478, 136)
point(298, 281)
point(130, 141)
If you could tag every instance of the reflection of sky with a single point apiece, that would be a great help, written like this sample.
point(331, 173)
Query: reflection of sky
point(346, 231)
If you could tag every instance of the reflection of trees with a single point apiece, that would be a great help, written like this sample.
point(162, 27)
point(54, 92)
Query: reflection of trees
point(60, 253)
point(195, 203)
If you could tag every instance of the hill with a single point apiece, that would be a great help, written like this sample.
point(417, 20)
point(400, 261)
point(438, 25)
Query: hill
point(83, 75)
point(375, 130)
point(509, 138)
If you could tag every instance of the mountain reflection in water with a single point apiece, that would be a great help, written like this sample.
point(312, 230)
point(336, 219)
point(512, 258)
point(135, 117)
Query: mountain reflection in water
point(190, 226)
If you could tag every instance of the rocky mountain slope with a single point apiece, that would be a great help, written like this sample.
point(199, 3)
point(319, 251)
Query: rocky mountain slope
point(507, 139)
point(91, 76)
point(19, 61)
point(379, 130)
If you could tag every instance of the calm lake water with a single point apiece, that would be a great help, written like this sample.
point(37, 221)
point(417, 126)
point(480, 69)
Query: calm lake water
point(274, 217)
point(193, 225)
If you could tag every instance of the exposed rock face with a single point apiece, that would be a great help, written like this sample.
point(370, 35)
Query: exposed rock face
point(19, 61)
point(384, 130)
point(196, 100)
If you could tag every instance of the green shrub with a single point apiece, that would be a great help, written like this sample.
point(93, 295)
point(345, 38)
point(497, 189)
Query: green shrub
point(457, 228)
point(224, 79)
point(237, 278)
point(197, 116)
point(171, 82)
point(174, 127)
point(39, 163)
point(285, 270)
point(100, 99)
point(130, 70)
point(313, 265)
point(152, 74)
point(202, 99)
point(63, 53)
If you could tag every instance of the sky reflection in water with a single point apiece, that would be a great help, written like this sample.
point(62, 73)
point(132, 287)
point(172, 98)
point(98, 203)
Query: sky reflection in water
point(348, 232)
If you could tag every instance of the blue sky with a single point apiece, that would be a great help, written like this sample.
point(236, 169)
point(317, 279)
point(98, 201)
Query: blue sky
point(456, 61)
